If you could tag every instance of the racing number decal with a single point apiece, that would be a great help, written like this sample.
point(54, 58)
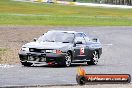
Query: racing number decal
point(81, 50)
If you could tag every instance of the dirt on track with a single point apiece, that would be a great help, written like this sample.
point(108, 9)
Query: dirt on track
point(13, 37)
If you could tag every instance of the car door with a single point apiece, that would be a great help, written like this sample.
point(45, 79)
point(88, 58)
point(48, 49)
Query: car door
point(80, 48)
point(89, 52)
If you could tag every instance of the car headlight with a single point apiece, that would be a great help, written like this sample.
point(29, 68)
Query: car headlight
point(25, 49)
point(54, 51)
point(49, 51)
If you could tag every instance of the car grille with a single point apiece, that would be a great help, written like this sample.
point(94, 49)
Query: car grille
point(37, 50)
point(37, 58)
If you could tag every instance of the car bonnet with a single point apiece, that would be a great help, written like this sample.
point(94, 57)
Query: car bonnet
point(46, 45)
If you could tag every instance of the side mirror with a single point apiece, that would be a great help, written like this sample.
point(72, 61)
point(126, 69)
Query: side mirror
point(78, 42)
point(35, 39)
point(95, 40)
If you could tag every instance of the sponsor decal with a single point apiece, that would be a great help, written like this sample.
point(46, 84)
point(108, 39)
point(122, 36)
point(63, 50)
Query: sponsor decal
point(83, 78)
point(81, 50)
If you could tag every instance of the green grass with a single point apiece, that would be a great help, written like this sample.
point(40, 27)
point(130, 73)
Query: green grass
point(22, 13)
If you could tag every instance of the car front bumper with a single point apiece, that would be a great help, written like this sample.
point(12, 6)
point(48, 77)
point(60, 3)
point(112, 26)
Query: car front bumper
point(43, 58)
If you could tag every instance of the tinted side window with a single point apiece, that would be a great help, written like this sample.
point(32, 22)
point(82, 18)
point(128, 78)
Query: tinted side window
point(87, 39)
point(79, 37)
point(84, 35)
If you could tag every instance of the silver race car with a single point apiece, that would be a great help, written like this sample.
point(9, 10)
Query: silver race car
point(61, 48)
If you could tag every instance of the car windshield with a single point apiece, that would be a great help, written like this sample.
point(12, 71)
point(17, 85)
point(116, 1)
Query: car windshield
point(53, 36)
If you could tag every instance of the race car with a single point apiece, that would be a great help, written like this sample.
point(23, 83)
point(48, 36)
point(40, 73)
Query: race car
point(61, 48)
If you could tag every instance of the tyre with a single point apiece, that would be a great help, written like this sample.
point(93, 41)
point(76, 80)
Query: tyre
point(94, 60)
point(26, 64)
point(68, 59)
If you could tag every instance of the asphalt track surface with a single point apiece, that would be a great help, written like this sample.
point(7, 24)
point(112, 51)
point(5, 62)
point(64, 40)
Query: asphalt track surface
point(116, 58)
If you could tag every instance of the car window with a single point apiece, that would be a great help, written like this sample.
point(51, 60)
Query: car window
point(79, 37)
point(84, 35)
point(53, 36)
point(87, 39)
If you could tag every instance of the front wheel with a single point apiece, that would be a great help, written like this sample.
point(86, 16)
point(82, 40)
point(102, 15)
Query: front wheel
point(95, 59)
point(68, 59)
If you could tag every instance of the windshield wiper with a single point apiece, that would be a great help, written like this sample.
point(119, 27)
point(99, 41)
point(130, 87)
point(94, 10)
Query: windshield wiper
point(50, 41)
point(65, 42)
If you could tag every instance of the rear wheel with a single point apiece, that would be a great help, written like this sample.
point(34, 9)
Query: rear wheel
point(27, 64)
point(68, 59)
point(95, 59)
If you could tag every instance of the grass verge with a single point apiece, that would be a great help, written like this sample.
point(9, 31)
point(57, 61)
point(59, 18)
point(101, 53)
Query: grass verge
point(8, 56)
point(2, 52)
point(25, 13)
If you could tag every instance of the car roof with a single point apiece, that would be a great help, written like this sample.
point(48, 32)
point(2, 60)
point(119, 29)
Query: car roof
point(66, 31)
